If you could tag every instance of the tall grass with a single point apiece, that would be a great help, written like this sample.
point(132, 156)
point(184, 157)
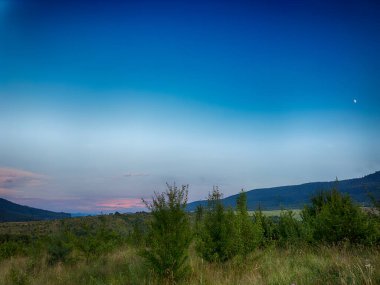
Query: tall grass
point(334, 243)
point(273, 265)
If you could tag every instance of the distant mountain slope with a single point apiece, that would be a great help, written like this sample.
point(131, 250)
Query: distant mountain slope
point(296, 196)
point(11, 212)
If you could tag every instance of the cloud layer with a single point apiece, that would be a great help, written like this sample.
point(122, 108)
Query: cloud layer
point(14, 180)
point(136, 174)
point(21, 186)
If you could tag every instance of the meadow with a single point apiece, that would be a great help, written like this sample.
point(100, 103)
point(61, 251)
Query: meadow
point(277, 213)
point(123, 265)
point(239, 247)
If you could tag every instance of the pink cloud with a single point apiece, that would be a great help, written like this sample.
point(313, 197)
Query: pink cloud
point(12, 180)
point(5, 192)
point(122, 203)
point(76, 204)
point(16, 183)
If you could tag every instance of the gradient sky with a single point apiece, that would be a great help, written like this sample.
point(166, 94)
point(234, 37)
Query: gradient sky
point(102, 102)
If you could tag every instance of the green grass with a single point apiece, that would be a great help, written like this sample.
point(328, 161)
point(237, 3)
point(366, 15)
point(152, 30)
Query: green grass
point(122, 265)
point(276, 213)
point(40, 228)
point(321, 265)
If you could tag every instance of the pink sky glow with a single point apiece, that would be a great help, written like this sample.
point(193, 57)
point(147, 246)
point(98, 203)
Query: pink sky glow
point(122, 203)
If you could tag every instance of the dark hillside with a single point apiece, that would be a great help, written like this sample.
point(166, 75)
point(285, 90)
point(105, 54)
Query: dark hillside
point(295, 196)
point(12, 212)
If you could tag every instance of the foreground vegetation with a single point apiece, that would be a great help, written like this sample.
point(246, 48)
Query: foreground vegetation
point(272, 265)
point(331, 241)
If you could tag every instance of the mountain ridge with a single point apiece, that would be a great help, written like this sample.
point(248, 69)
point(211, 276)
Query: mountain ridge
point(296, 196)
point(12, 212)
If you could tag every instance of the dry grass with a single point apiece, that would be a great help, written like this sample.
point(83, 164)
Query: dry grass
point(327, 265)
point(322, 265)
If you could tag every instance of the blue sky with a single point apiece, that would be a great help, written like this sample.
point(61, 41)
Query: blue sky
point(105, 102)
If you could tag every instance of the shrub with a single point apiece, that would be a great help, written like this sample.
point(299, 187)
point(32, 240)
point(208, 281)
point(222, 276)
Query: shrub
point(292, 231)
point(11, 245)
point(199, 214)
point(269, 227)
point(59, 248)
point(17, 277)
point(137, 235)
point(92, 241)
point(249, 232)
point(335, 218)
point(8, 249)
point(216, 242)
point(169, 234)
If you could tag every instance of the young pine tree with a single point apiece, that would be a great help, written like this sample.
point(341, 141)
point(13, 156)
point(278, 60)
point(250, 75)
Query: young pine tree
point(169, 234)
point(335, 218)
point(269, 227)
point(249, 232)
point(216, 237)
point(199, 212)
point(292, 232)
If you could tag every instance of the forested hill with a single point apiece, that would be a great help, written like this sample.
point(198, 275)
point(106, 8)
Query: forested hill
point(295, 196)
point(12, 212)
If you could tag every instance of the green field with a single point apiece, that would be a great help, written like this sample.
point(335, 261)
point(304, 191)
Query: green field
point(322, 265)
point(121, 263)
point(277, 213)
point(332, 242)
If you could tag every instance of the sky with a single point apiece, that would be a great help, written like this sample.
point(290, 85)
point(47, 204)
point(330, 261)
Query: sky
point(103, 102)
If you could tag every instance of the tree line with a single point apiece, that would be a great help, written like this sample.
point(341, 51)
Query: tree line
point(220, 234)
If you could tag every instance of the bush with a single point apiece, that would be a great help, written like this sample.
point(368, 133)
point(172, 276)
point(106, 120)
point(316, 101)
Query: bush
point(59, 248)
point(291, 231)
point(169, 234)
point(269, 228)
point(216, 242)
point(335, 218)
point(199, 214)
point(8, 249)
point(137, 235)
point(11, 245)
point(17, 277)
point(250, 232)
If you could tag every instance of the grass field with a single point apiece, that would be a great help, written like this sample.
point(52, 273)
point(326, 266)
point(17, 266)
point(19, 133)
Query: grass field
point(121, 265)
point(277, 213)
point(297, 212)
point(322, 265)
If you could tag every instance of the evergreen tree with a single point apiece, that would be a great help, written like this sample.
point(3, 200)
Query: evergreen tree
point(216, 236)
point(292, 231)
point(59, 247)
point(335, 218)
point(169, 234)
point(199, 212)
point(269, 227)
point(249, 232)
